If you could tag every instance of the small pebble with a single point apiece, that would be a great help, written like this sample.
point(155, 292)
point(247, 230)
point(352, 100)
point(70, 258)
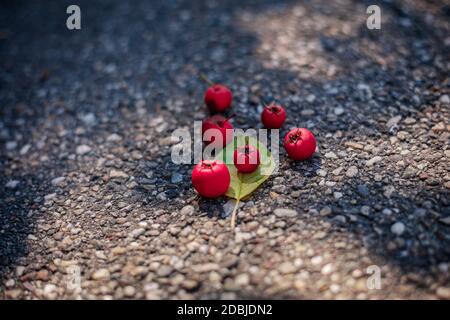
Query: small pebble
point(398, 228)
point(83, 149)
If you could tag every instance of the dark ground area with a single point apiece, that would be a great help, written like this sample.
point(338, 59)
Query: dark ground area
point(87, 179)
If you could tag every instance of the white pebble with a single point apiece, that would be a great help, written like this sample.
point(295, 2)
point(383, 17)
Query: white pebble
point(316, 260)
point(57, 181)
point(24, 149)
point(352, 172)
point(374, 160)
point(398, 228)
point(330, 155)
point(327, 269)
point(83, 149)
point(285, 213)
point(445, 99)
point(12, 184)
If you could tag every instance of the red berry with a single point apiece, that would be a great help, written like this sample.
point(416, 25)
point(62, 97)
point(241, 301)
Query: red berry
point(220, 123)
point(246, 159)
point(211, 178)
point(273, 116)
point(300, 144)
point(218, 98)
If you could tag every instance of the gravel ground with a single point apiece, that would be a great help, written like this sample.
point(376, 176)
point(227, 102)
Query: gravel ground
point(87, 183)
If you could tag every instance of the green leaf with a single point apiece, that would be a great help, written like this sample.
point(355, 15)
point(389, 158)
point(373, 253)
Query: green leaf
point(243, 184)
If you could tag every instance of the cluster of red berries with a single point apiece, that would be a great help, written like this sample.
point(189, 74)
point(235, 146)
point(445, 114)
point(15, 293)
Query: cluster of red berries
point(211, 178)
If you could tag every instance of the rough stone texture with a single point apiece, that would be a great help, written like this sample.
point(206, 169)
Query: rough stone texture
point(97, 107)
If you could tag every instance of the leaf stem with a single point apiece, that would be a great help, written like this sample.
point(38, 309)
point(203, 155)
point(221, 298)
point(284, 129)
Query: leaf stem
point(206, 79)
point(236, 206)
point(233, 215)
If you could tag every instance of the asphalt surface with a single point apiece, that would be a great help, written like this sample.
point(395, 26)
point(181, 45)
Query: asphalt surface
point(91, 205)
